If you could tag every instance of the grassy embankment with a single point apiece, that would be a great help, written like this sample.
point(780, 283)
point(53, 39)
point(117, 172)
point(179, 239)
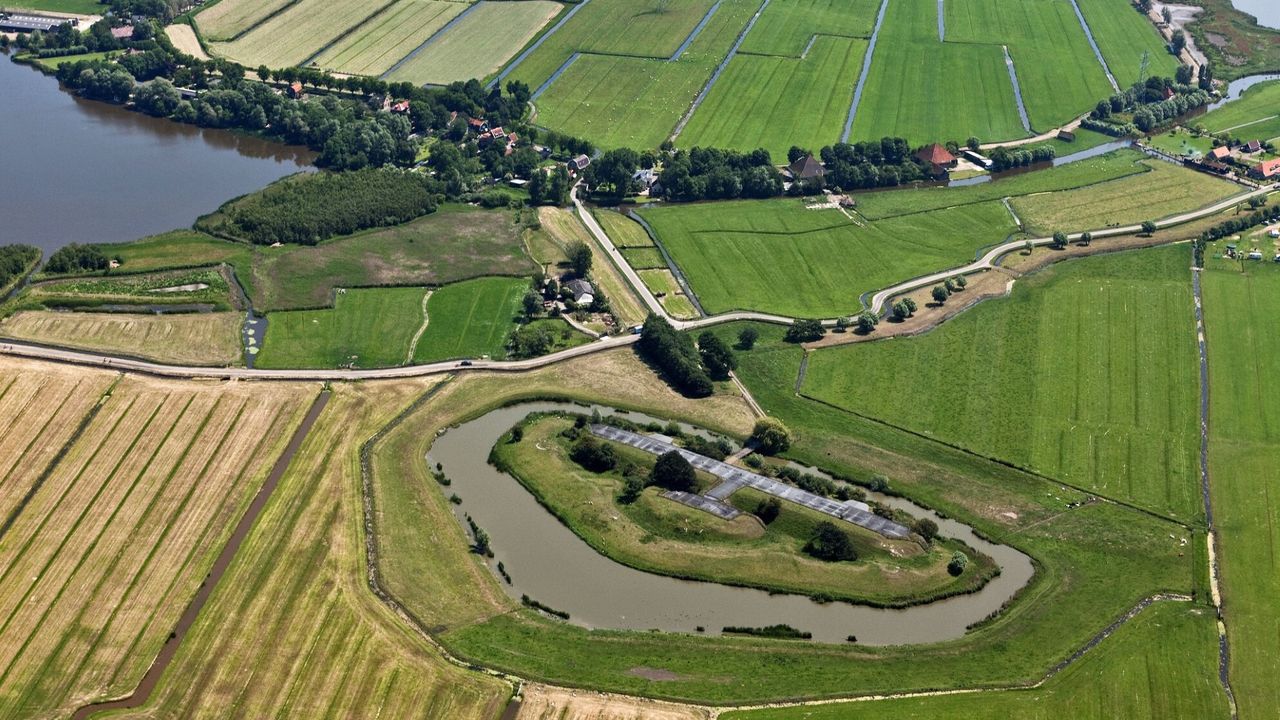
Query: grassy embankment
point(661, 536)
point(1241, 304)
point(127, 504)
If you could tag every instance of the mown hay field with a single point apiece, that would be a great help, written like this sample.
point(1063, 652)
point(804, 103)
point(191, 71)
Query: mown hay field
point(471, 319)
point(479, 44)
point(1123, 34)
point(1086, 374)
point(1255, 115)
point(386, 38)
point(296, 33)
point(366, 327)
point(775, 103)
point(786, 28)
point(1241, 305)
point(226, 19)
point(122, 528)
point(1057, 71)
point(779, 256)
point(185, 339)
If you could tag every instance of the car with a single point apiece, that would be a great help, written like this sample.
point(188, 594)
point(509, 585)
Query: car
point(465, 363)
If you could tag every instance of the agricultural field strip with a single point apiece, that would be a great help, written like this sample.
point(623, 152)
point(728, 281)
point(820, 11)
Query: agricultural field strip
point(715, 75)
point(297, 33)
point(381, 47)
point(453, 22)
point(1084, 24)
point(511, 67)
point(243, 16)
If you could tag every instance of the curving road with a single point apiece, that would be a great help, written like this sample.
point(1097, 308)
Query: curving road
point(878, 301)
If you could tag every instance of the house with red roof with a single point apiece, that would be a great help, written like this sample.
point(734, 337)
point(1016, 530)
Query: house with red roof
point(937, 158)
point(1267, 169)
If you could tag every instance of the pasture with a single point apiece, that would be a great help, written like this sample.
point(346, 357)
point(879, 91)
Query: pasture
point(227, 19)
point(1057, 72)
point(121, 528)
point(622, 230)
point(479, 44)
point(185, 339)
point(1086, 374)
point(778, 256)
point(384, 39)
point(1165, 189)
point(1256, 115)
point(776, 102)
point(298, 32)
point(1241, 307)
point(365, 328)
point(786, 28)
point(1123, 34)
point(644, 258)
point(470, 319)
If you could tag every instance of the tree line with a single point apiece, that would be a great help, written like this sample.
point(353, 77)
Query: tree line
point(16, 260)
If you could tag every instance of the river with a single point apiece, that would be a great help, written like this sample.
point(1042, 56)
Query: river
point(82, 171)
point(1266, 11)
point(552, 565)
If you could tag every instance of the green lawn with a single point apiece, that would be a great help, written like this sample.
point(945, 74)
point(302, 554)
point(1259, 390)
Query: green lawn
point(1161, 664)
point(777, 256)
point(1252, 116)
point(471, 319)
point(1057, 72)
point(785, 28)
point(365, 328)
point(1123, 34)
point(1241, 311)
point(1085, 374)
point(776, 102)
point(1180, 141)
point(480, 43)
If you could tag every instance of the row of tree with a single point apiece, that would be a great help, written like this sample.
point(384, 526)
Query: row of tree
point(76, 258)
point(1242, 223)
point(1003, 158)
point(16, 260)
point(675, 356)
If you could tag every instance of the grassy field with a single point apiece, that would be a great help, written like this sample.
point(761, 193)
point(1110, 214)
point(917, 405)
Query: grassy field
point(777, 256)
point(1111, 166)
point(1255, 115)
point(372, 48)
point(776, 102)
point(786, 28)
point(83, 7)
point(304, 637)
point(1159, 665)
point(206, 286)
point(365, 328)
point(622, 230)
point(644, 258)
point(928, 91)
point(562, 227)
point(187, 339)
point(622, 100)
point(1165, 190)
point(1244, 357)
point(122, 530)
point(227, 19)
point(470, 319)
point(296, 33)
point(480, 44)
point(1085, 374)
point(1123, 34)
point(1180, 141)
point(665, 537)
point(1058, 75)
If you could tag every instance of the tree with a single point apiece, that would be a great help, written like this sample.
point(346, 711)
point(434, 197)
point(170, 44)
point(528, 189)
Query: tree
point(926, 529)
point(1086, 238)
point(866, 323)
point(716, 355)
point(1179, 42)
point(959, 561)
point(973, 143)
point(940, 294)
point(673, 472)
point(532, 303)
point(593, 455)
point(830, 543)
point(1059, 240)
point(747, 338)
point(804, 331)
point(770, 436)
point(631, 489)
point(768, 510)
point(614, 169)
point(579, 258)
point(961, 281)
point(796, 153)
point(675, 355)
point(1028, 247)
point(1148, 227)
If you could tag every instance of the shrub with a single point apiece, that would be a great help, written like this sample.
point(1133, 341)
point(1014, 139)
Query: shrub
point(805, 331)
point(673, 472)
point(768, 510)
point(830, 543)
point(959, 561)
point(771, 436)
point(593, 455)
point(77, 258)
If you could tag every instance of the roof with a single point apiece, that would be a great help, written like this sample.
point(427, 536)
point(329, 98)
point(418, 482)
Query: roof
point(1267, 168)
point(23, 23)
point(579, 288)
point(935, 154)
point(806, 167)
point(1253, 146)
point(1220, 152)
point(124, 32)
point(580, 162)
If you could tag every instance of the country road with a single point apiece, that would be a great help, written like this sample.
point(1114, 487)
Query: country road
point(878, 301)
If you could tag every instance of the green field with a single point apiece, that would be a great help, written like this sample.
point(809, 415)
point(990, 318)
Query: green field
point(470, 319)
point(227, 19)
point(480, 44)
point(1161, 664)
point(622, 230)
point(1056, 70)
point(644, 258)
point(1085, 374)
point(83, 7)
point(372, 48)
point(785, 28)
point(776, 102)
point(777, 256)
point(296, 33)
point(1244, 461)
point(1123, 34)
point(1166, 189)
point(1255, 115)
point(1180, 141)
point(365, 328)
point(926, 91)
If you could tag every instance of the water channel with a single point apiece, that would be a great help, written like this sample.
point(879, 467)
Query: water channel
point(552, 565)
point(84, 171)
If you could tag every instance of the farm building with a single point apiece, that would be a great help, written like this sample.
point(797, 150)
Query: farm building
point(938, 159)
point(806, 168)
point(579, 163)
point(30, 23)
point(583, 293)
point(1252, 147)
point(1222, 152)
point(1267, 169)
point(294, 90)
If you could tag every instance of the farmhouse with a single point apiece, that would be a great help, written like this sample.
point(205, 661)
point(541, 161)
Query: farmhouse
point(579, 163)
point(31, 23)
point(806, 168)
point(1222, 152)
point(1252, 147)
point(294, 90)
point(583, 293)
point(1267, 169)
point(936, 158)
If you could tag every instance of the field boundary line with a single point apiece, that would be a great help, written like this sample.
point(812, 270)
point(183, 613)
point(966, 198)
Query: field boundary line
point(348, 32)
point(426, 320)
point(18, 415)
point(813, 39)
point(1017, 87)
point(1251, 122)
point(278, 11)
point(671, 265)
point(524, 54)
point(697, 30)
point(866, 71)
point(430, 40)
point(706, 89)
point(1088, 33)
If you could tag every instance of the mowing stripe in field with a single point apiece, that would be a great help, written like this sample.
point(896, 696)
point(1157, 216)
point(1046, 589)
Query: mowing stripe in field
point(348, 33)
point(866, 69)
point(435, 36)
point(1093, 44)
point(702, 95)
point(1017, 89)
point(696, 31)
point(537, 44)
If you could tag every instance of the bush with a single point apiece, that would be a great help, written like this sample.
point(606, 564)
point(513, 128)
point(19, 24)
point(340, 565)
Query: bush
point(716, 355)
point(593, 455)
point(77, 258)
point(673, 472)
point(768, 510)
point(805, 331)
point(747, 338)
point(926, 529)
point(959, 561)
point(830, 543)
point(771, 436)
